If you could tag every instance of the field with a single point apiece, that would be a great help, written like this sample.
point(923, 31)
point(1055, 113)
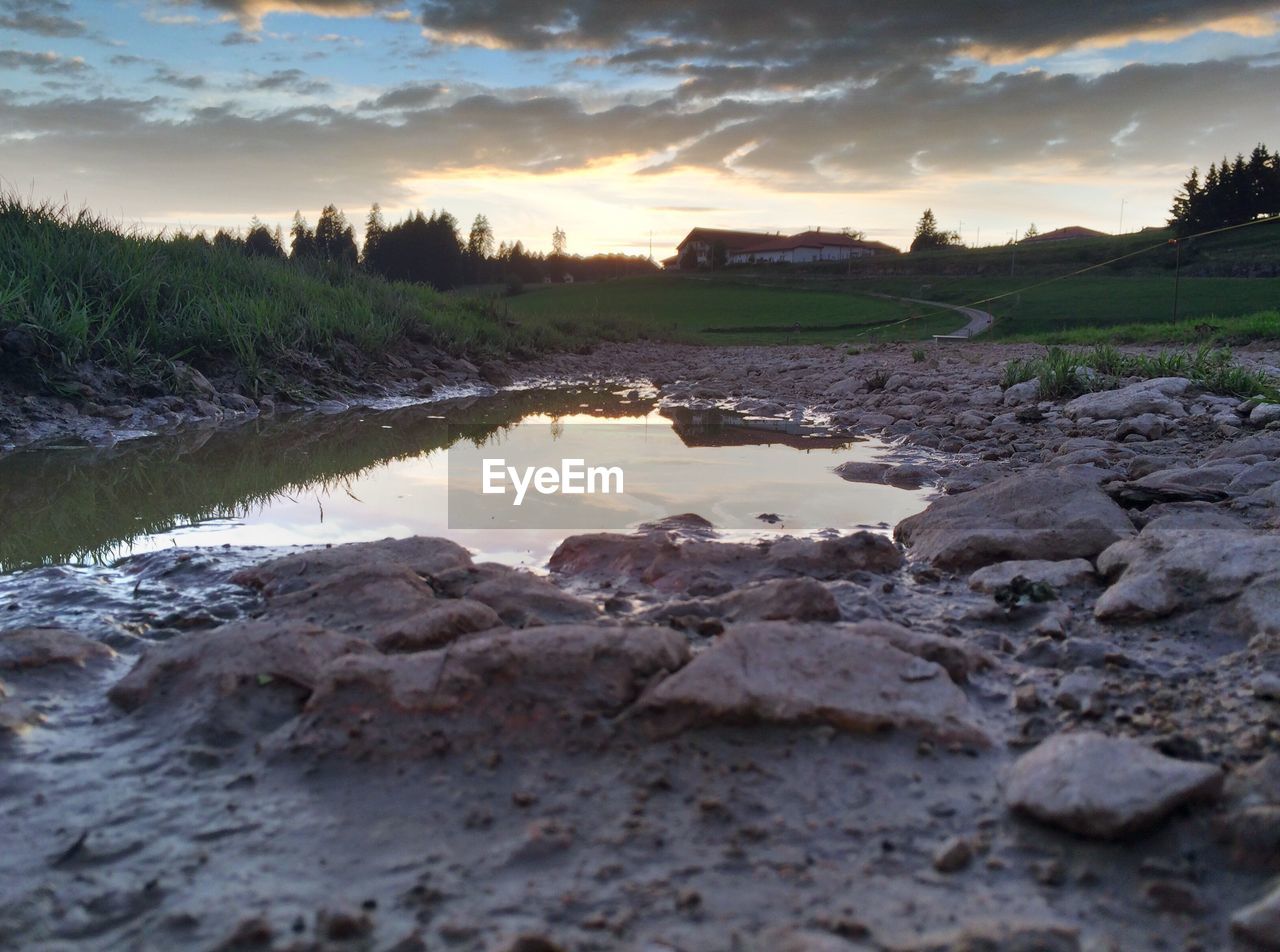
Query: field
point(726, 310)
point(1059, 310)
point(76, 287)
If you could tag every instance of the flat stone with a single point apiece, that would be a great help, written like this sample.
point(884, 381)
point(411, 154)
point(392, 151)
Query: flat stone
point(519, 599)
point(1149, 396)
point(1055, 574)
point(845, 676)
point(1104, 787)
point(542, 686)
point(424, 555)
point(1163, 571)
point(797, 599)
point(1039, 515)
point(669, 564)
point(40, 647)
point(1265, 413)
point(387, 604)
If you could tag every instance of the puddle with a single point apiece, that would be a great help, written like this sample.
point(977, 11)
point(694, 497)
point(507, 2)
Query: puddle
point(373, 473)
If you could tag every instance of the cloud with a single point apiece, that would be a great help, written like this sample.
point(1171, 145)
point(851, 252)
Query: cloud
point(43, 63)
point(42, 17)
point(249, 13)
point(288, 80)
point(911, 129)
point(171, 77)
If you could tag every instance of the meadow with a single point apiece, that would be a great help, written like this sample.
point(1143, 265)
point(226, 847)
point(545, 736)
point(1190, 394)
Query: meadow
point(75, 287)
point(726, 309)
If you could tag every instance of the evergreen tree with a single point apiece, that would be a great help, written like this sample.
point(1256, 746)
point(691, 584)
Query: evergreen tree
point(334, 238)
point(303, 247)
point(374, 231)
point(929, 237)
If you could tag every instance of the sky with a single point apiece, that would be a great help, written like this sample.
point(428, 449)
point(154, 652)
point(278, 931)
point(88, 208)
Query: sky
point(631, 122)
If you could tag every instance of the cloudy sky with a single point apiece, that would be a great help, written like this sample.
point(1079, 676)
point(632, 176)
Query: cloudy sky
point(619, 119)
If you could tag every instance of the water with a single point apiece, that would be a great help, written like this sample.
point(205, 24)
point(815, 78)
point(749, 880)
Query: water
point(370, 474)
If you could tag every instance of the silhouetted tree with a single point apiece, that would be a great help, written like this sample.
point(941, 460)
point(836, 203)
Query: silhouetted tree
point(303, 247)
point(374, 230)
point(1233, 192)
point(558, 241)
point(261, 242)
point(334, 238)
point(929, 237)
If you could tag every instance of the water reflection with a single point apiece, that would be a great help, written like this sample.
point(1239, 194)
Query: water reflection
point(369, 474)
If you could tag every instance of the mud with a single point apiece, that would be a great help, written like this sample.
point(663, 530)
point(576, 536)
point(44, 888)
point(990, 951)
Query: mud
point(271, 760)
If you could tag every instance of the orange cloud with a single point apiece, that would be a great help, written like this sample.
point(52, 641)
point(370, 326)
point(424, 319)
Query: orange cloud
point(1246, 25)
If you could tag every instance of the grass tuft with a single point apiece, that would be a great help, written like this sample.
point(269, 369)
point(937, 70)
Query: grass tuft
point(1064, 373)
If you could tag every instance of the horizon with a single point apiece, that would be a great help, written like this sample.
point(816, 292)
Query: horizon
point(617, 124)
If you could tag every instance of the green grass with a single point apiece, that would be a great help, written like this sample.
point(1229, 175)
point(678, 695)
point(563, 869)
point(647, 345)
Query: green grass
point(1066, 373)
point(1058, 310)
point(82, 288)
point(720, 309)
point(1221, 331)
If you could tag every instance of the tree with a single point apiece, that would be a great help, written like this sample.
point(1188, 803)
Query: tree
point(1233, 192)
point(334, 238)
point(854, 233)
point(558, 241)
point(480, 240)
point(303, 247)
point(374, 231)
point(1031, 232)
point(929, 237)
point(262, 243)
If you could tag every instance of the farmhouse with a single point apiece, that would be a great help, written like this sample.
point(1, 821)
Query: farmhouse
point(1070, 233)
point(700, 246)
point(809, 246)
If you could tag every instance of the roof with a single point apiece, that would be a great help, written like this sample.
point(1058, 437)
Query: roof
point(733, 240)
point(815, 239)
point(1066, 234)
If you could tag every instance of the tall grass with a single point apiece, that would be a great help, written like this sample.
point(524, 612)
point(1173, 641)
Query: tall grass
point(81, 287)
point(1067, 373)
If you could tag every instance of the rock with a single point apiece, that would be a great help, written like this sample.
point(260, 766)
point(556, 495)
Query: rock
point(40, 647)
point(845, 676)
point(189, 380)
point(1082, 691)
point(1026, 392)
point(1182, 484)
point(520, 599)
point(1164, 571)
point(1266, 686)
point(797, 599)
point(658, 560)
point(1056, 575)
point(238, 403)
point(998, 935)
point(952, 855)
point(1104, 787)
point(1150, 396)
point(243, 679)
point(1264, 445)
point(1149, 426)
point(860, 472)
point(422, 554)
point(958, 658)
point(389, 605)
point(1038, 515)
point(544, 685)
point(1264, 414)
point(1259, 922)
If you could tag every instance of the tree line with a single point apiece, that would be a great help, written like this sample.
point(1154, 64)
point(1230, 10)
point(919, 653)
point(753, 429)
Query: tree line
point(1231, 193)
point(427, 250)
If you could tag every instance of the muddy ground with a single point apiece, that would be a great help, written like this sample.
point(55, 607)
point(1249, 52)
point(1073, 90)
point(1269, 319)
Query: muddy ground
point(1043, 716)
